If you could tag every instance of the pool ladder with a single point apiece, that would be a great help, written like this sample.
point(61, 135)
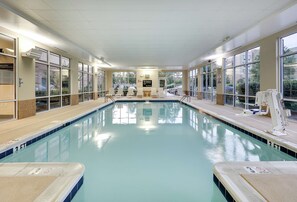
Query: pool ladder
point(185, 97)
point(109, 96)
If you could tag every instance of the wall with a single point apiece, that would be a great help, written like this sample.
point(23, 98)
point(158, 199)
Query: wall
point(146, 74)
point(26, 71)
point(108, 78)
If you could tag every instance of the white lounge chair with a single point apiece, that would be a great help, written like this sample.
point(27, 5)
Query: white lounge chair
point(111, 91)
point(161, 92)
point(154, 93)
point(120, 92)
point(140, 92)
point(130, 91)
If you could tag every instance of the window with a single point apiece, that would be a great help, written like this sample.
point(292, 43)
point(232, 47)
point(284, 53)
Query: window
point(55, 80)
point(242, 78)
point(123, 80)
point(101, 83)
point(65, 62)
point(44, 55)
point(52, 81)
point(288, 62)
point(41, 75)
point(209, 84)
point(193, 82)
point(65, 81)
point(85, 82)
point(122, 114)
point(174, 82)
point(54, 59)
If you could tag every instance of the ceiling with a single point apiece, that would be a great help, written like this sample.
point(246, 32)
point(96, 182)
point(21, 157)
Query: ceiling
point(138, 33)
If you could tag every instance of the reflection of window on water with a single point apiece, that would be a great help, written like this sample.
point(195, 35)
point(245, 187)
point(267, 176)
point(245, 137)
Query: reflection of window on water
point(101, 118)
point(123, 114)
point(193, 120)
point(41, 153)
point(90, 130)
point(101, 139)
point(53, 149)
point(173, 114)
point(65, 144)
point(79, 137)
point(225, 143)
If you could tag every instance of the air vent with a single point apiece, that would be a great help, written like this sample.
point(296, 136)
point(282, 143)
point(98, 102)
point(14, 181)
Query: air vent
point(33, 53)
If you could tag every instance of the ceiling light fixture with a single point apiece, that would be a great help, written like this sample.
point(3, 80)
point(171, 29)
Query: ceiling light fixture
point(227, 38)
point(104, 61)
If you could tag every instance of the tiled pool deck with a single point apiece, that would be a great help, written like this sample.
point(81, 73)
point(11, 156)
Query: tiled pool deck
point(16, 134)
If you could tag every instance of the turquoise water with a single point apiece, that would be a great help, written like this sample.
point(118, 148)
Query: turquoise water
point(148, 152)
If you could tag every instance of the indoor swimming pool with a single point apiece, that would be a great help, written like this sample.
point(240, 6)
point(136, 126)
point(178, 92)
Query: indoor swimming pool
point(148, 151)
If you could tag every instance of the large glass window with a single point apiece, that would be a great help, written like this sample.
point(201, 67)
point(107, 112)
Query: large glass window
point(193, 82)
point(240, 73)
point(253, 79)
point(85, 82)
point(209, 81)
point(65, 62)
point(44, 55)
point(123, 80)
point(41, 75)
point(52, 81)
point(55, 80)
point(173, 82)
point(242, 78)
point(65, 81)
point(54, 59)
point(288, 58)
point(101, 83)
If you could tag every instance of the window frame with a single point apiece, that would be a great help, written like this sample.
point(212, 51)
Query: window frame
point(88, 71)
point(61, 96)
point(235, 66)
point(281, 71)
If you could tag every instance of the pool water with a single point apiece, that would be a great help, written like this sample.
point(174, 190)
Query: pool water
point(141, 151)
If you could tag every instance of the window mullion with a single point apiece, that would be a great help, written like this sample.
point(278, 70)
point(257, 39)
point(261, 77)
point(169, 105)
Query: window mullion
point(234, 95)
